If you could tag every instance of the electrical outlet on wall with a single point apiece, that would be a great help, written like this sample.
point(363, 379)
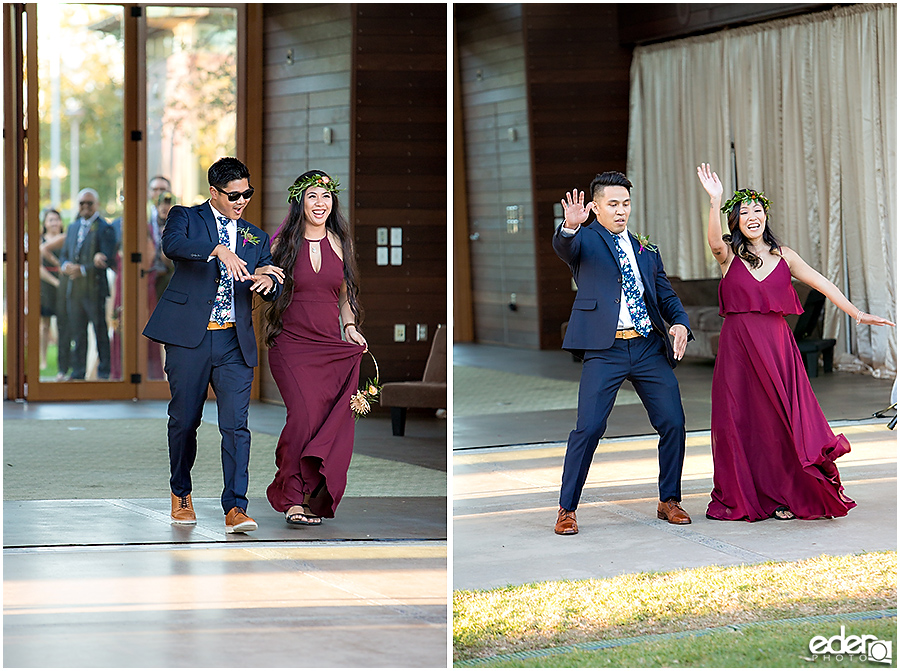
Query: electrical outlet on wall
point(399, 332)
point(421, 332)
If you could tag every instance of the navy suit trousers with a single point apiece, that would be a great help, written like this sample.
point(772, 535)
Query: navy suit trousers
point(643, 362)
point(217, 361)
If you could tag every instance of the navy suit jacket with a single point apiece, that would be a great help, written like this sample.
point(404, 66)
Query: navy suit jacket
point(182, 315)
point(592, 256)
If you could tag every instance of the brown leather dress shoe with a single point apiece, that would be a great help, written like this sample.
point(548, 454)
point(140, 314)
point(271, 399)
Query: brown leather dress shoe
point(183, 510)
point(565, 523)
point(237, 521)
point(672, 511)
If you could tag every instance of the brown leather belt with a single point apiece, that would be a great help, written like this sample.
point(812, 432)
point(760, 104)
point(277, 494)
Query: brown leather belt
point(627, 334)
point(215, 326)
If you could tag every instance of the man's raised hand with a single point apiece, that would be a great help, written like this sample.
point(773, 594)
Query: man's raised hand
point(575, 210)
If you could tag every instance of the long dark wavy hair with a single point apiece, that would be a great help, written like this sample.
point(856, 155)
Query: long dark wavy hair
point(284, 255)
point(738, 242)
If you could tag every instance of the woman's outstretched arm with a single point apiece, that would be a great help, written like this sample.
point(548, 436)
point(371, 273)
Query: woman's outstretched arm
point(803, 272)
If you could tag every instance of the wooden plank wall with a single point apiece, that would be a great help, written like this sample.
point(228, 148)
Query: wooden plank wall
point(399, 165)
point(308, 56)
point(307, 88)
point(491, 54)
point(578, 88)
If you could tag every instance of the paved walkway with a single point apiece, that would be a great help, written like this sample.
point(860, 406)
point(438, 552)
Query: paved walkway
point(505, 502)
point(244, 605)
point(109, 582)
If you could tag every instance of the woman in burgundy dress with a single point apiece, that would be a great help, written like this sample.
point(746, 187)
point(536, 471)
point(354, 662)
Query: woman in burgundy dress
point(316, 370)
point(773, 450)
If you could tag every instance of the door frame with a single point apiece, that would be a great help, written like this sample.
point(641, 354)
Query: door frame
point(22, 374)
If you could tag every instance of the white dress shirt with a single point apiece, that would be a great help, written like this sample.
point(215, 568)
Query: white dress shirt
point(625, 320)
point(231, 228)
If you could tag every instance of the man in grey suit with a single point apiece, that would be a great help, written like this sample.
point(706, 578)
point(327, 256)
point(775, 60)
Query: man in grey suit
point(88, 251)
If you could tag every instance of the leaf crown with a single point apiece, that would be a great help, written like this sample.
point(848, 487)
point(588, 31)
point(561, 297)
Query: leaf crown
point(746, 196)
point(295, 191)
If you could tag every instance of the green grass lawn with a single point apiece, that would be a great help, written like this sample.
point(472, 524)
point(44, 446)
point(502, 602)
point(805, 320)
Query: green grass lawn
point(776, 645)
point(547, 615)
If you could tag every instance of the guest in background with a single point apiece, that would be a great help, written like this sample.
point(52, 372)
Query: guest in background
point(88, 252)
point(52, 239)
point(158, 276)
point(157, 186)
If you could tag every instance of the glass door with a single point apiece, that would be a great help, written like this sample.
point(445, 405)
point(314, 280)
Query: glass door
point(76, 174)
point(126, 108)
point(191, 117)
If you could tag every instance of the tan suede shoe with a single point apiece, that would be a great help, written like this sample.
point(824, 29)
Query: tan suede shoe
point(183, 510)
point(237, 521)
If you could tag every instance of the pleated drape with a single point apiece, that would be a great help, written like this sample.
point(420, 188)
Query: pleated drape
point(809, 104)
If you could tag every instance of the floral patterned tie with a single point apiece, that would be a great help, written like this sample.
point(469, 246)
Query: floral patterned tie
point(633, 298)
point(222, 304)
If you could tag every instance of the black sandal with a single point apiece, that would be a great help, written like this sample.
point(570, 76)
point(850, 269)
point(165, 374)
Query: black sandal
point(303, 518)
point(783, 513)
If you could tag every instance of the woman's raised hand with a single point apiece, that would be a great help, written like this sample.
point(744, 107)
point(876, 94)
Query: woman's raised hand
point(575, 210)
point(710, 182)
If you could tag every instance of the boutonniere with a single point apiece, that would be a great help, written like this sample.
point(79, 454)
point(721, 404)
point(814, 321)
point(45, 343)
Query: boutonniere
point(248, 236)
point(644, 241)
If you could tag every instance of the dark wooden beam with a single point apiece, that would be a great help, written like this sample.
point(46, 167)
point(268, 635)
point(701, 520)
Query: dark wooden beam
point(644, 23)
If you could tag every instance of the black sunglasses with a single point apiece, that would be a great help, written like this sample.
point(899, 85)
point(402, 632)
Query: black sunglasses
point(234, 195)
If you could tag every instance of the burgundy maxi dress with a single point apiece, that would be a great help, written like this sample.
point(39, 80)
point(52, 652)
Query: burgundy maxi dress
point(771, 443)
point(316, 372)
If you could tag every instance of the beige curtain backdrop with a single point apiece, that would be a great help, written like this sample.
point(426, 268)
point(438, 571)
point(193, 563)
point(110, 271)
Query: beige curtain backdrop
point(810, 106)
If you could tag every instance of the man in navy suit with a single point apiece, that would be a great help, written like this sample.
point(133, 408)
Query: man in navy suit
point(204, 318)
point(618, 326)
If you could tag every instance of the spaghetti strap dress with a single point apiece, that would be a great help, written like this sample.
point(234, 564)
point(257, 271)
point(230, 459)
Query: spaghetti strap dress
point(771, 443)
point(316, 372)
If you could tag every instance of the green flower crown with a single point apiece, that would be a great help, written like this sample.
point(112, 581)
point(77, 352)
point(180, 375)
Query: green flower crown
point(746, 196)
point(295, 191)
